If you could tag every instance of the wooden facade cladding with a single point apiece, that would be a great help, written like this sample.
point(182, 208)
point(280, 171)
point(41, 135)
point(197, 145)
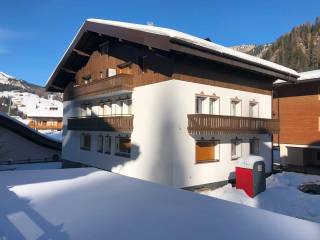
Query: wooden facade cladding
point(111, 124)
point(147, 67)
point(298, 108)
point(118, 83)
point(207, 124)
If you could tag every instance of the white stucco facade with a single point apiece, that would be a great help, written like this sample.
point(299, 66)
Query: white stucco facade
point(162, 150)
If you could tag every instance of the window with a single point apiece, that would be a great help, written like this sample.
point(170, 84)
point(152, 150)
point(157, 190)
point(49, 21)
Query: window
point(100, 111)
point(127, 107)
point(100, 144)
point(235, 108)
point(214, 106)
point(107, 144)
point(253, 109)
point(95, 110)
point(318, 156)
point(107, 108)
point(88, 110)
point(44, 123)
point(112, 72)
point(119, 107)
point(200, 104)
point(85, 110)
point(123, 146)
point(207, 151)
point(236, 150)
point(85, 141)
point(254, 146)
point(114, 108)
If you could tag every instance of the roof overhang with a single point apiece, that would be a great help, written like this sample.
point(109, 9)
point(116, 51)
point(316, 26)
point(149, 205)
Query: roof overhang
point(90, 34)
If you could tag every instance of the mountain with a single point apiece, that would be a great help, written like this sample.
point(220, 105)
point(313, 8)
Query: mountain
point(252, 49)
point(9, 83)
point(298, 49)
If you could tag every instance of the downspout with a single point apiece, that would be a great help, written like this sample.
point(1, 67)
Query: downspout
point(275, 93)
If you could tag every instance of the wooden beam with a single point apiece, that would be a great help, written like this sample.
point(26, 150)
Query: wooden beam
point(69, 71)
point(81, 53)
point(55, 87)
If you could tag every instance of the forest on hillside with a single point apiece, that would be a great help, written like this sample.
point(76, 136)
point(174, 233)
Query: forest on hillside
point(298, 49)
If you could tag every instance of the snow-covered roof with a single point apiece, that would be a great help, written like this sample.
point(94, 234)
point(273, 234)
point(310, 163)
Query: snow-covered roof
point(45, 111)
point(25, 131)
point(197, 41)
point(49, 204)
point(165, 39)
point(310, 75)
point(313, 75)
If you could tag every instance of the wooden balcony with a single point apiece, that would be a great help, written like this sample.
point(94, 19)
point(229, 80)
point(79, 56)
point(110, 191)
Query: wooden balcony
point(117, 83)
point(217, 124)
point(110, 124)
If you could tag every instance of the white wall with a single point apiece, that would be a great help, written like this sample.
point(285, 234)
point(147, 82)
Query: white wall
point(164, 151)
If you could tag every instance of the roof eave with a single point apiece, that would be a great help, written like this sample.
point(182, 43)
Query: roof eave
point(164, 43)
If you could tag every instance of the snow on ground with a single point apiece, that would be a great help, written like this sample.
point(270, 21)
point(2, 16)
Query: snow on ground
point(56, 135)
point(86, 203)
point(31, 166)
point(282, 196)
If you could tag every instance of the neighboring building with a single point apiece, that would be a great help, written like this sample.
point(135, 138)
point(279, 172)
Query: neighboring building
point(21, 144)
point(46, 116)
point(37, 112)
point(164, 106)
point(298, 108)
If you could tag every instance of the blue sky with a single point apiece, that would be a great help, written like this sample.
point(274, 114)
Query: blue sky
point(35, 34)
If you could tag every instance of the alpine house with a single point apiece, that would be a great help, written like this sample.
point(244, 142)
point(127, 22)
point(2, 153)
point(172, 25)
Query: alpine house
point(164, 106)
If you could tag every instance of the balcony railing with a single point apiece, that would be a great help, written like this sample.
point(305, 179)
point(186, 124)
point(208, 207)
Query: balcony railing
point(111, 124)
point(120, 82)
point(217, 124)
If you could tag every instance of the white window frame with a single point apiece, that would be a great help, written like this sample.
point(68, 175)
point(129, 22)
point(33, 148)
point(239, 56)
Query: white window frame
point(126, 108)
point(235, 107)
point(107, 108)
point(253, 109)
point(237, 143)
point(214, 105)
point(200, 109)
point(88, 110)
